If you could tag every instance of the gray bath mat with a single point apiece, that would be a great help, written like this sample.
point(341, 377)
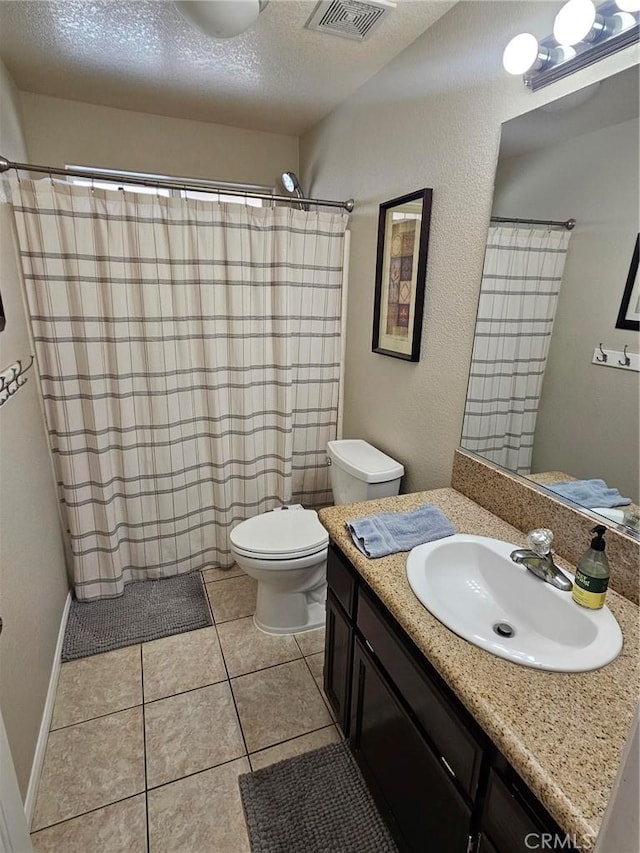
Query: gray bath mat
point(314, 803)
point(147, 610)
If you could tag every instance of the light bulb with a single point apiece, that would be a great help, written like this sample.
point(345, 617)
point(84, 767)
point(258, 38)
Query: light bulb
point(620, 21)
point(574, 22)
point(521, 54)
point(628, 5)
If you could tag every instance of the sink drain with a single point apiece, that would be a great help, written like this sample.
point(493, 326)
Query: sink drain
point(503, 629)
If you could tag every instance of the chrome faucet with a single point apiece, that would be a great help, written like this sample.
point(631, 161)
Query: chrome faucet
point(538, 558)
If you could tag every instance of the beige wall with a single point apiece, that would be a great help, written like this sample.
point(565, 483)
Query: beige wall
point(61, 133)
point(33, 582)
point(430, 118)
point(588, 419)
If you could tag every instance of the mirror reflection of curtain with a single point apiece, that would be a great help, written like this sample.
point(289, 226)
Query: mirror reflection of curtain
point(190, 355)
point(521, 281)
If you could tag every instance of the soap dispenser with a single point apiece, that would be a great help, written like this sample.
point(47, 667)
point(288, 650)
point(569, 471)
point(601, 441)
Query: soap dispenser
point(592, 573)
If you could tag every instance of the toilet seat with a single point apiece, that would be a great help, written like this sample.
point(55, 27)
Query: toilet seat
point(283, 535)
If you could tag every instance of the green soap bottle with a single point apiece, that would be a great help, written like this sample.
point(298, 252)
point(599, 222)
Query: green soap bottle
point(592, 573)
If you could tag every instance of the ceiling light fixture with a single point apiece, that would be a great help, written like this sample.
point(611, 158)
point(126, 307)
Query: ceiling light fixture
point(582, 34)
point(221, 19)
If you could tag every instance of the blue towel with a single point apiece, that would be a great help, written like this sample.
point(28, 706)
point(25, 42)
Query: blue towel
point(589, 493)
point(390, 532)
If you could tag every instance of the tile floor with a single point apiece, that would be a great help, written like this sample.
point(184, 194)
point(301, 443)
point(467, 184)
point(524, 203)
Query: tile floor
point(147, 742)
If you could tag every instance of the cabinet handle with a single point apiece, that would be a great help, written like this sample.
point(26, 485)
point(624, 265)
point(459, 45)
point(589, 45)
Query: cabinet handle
point(447, 765)
point(369, 646)
point(472, 843)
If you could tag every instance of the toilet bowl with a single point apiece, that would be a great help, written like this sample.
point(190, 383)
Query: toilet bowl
point(286, 550)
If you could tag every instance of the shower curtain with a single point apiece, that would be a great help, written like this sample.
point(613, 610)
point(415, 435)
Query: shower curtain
point(521, 281)
point(189, 354)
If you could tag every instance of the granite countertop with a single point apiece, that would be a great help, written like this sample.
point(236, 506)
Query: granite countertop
point(564, 733)
point(544, 478)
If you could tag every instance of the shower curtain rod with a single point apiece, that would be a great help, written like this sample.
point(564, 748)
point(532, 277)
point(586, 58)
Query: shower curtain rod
point(569, 224)
point(170, 182)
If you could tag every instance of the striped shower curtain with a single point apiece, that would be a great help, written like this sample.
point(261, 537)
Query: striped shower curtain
point(521, 281)
point(189, 354)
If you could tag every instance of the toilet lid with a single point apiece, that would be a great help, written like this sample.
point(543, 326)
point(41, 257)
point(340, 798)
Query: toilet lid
point(285, 534)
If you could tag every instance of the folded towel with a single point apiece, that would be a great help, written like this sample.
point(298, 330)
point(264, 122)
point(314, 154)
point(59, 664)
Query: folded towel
point(589, 493)
point(390, 532)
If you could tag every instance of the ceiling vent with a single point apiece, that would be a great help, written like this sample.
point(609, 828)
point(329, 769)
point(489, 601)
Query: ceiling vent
point(350, 19)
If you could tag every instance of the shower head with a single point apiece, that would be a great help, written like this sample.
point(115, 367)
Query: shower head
point(292, 185)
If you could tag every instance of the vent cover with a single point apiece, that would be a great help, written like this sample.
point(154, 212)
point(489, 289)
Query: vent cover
point(350, 19)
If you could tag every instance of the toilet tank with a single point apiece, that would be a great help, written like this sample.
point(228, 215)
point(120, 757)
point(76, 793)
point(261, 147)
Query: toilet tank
point(361, 472)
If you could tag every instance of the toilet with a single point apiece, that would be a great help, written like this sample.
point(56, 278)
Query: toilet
point(286, 550)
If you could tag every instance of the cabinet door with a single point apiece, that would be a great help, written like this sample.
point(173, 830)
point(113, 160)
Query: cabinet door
point(514, 824)
point(450, 734)
point(402, 770)
point(338, 654)
point(486, 846)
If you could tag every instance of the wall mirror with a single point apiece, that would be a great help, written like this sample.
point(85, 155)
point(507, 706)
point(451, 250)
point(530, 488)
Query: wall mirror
point(540, 402)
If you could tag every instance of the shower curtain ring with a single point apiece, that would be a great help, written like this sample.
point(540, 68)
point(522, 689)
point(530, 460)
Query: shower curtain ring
point(604, 358)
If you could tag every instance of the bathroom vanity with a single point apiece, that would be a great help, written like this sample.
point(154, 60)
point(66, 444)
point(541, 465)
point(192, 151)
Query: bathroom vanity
point(464, 751)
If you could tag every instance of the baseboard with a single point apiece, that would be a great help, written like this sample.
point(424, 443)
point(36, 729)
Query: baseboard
point(47, 713)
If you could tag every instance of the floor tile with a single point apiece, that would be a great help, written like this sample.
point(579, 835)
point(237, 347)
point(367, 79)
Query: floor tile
point(306, 743)
point(97, 685)
point(119, 828)
point(191, 732)
point(182, 662)
point(277, 704)
point(316, 665)
point(90, 765)
point(311, 641)
point(200, 814)
point(233, 598)
point(209, 575)
point(247, 649)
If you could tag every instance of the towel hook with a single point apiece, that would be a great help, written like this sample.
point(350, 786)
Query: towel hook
point(627, 360)
point(604, 358)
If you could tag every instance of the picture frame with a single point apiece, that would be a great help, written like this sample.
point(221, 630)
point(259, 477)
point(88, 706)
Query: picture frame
point(401, 268)
point(629, 313)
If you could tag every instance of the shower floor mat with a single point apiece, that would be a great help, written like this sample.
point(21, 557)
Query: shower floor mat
point(147, 610)
point(313, 803)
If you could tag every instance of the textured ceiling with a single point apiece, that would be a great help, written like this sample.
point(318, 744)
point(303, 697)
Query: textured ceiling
point(142, 55)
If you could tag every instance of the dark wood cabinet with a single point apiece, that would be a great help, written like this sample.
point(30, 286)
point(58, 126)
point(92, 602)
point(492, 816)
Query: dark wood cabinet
point(439, 782)
point(405, 775)
point(486, 846)
point(513, 820)
point(337, 662)
point(449, 728)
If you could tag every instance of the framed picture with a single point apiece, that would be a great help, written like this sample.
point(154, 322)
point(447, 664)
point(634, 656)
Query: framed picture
point(401, 267)
point(629, 313)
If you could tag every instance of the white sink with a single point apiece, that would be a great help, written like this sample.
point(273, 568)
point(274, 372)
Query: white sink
point(473, 587)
